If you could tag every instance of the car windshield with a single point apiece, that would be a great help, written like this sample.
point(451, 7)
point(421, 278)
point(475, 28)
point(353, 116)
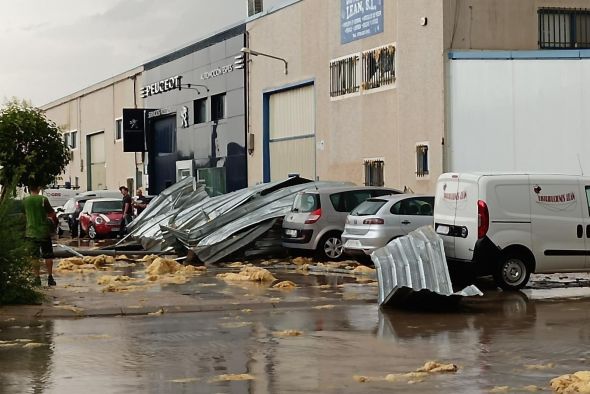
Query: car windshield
point(368, 207)
point(306, 202)
point(70, 205)
point(107, 206)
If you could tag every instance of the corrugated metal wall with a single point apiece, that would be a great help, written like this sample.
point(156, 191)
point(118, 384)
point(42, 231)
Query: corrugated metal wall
point(292, 133)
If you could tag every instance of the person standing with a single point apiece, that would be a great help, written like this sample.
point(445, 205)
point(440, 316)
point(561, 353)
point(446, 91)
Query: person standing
point(141, 202)
point(127, 211)
point(38, 211)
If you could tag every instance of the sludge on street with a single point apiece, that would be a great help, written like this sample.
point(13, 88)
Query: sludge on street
point(325, 334)
point(275, 196)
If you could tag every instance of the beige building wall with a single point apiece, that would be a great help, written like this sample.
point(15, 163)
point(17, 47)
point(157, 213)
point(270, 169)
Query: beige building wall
point(497, 24)
point(386, 124)
point(95, 109)
point(382, 124)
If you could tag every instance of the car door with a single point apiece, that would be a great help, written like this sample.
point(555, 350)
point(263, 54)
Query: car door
point(85, 216)
point(413, 212)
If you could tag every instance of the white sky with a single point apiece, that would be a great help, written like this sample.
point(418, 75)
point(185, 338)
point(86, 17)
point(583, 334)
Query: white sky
point(51, 48)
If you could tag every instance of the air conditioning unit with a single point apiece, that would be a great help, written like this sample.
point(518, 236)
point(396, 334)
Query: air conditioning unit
point(254, 7)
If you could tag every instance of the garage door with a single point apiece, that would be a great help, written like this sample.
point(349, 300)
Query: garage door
point(292, 133)
point(96, 159)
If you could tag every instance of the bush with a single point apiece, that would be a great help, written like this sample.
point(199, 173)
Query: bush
point(16, 271)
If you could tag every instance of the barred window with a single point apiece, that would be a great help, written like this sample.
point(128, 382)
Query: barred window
point(344, 76)
point(374, 172)
point(421, 160)
point(379, 67)
point(561, 28)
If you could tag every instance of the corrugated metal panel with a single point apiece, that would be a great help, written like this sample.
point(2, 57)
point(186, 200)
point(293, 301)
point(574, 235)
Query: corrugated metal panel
point(414, 268)
point(292, 113)
point(292, 156)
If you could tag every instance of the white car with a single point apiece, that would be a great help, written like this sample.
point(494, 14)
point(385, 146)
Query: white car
point(378, 220)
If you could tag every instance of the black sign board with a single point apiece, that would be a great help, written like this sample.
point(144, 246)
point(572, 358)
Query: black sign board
point(134, 130)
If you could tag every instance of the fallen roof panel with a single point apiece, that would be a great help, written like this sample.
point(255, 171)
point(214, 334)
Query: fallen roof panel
point(415, 267)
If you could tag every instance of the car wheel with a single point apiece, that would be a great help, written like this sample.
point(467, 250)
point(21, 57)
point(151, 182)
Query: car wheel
point(330, 247)
point(513, 272)
point(92, 231)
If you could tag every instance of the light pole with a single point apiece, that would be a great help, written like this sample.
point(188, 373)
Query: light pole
point(256, 53)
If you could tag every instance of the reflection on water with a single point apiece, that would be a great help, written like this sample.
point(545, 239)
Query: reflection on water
point(497, 340)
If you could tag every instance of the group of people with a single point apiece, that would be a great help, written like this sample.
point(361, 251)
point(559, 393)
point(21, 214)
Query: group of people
point(41, 219)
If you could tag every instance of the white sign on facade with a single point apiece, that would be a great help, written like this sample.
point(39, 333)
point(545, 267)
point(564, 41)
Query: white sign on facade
point(162, 86)
point(217, 72)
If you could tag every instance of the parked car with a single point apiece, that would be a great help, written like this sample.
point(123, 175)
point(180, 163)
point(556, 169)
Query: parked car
point(317, 217)
point(377, 221)
point(101, 217)
point(512, 225)
point(68, 219)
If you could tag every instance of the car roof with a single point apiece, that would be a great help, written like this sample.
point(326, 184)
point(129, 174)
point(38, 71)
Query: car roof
point(397, 197)
point(104, 200)
point(337, 189)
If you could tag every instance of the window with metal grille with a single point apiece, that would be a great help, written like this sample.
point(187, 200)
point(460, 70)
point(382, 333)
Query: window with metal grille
point(379, 67)
point(421, 160)
point(374, 172)
point(254, 7)
point(562, 28)
point(344, 76)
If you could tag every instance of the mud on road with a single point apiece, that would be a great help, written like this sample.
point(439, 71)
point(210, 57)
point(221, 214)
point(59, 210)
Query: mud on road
point(324, 335)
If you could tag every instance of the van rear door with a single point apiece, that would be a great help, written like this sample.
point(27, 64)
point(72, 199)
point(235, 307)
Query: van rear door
point(455, 214)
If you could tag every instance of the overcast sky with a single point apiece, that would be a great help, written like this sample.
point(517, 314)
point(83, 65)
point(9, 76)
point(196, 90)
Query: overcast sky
point(51, 48)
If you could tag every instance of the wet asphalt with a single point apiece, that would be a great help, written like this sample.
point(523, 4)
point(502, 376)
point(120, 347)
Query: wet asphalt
point(501, 342)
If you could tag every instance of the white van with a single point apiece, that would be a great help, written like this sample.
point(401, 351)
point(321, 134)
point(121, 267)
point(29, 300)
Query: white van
point(57, 197)
point(512, 225)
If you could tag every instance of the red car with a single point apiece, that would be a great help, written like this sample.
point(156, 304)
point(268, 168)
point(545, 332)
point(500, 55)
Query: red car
point(101, 217)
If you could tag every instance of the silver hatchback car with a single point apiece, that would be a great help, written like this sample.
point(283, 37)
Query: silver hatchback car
point(317, 217)
point(377, 221)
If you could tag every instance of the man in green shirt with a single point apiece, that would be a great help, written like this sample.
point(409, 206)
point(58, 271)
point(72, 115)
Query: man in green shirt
point(38, 232)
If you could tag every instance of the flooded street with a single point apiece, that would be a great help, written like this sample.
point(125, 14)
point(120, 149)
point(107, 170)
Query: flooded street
point(327, 335)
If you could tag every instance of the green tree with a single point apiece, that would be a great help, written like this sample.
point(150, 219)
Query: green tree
point(32, 150)
point(16, 270)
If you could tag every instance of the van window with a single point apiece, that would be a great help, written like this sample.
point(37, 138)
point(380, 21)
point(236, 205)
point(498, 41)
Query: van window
point(306, 202)
point(588, 198)
point(368, 207)
point(417, 206)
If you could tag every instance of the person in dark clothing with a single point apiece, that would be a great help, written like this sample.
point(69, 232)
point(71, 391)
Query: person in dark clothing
point(141, 203)
point(127, 211)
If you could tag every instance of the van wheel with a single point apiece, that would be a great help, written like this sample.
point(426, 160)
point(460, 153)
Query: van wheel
point(330, 246)
point(513, 272)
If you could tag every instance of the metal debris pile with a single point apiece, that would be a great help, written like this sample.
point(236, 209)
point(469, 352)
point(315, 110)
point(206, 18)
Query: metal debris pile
point(413, 270)
point(183, 219)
